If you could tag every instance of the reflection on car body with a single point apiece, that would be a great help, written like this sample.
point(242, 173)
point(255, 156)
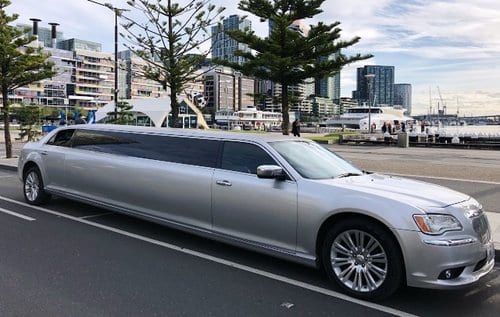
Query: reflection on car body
point(284, 196)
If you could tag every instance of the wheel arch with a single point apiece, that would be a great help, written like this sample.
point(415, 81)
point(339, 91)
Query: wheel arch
point(29, 165)
point(335, 218)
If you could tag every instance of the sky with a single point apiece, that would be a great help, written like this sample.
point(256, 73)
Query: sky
point(448, 50)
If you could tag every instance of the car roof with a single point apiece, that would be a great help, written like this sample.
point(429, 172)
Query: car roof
point(213, 134)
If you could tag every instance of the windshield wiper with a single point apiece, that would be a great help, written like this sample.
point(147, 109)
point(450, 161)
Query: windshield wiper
point(347, 175)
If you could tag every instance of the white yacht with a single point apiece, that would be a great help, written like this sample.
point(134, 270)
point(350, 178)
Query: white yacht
point(357, 117)
point(250, 118)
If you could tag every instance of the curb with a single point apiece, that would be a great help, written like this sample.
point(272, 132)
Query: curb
point(8, 167)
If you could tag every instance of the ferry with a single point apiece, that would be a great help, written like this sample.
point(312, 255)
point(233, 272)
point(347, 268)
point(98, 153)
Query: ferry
point(357, 117)
point(249, 119)
point(352, 117)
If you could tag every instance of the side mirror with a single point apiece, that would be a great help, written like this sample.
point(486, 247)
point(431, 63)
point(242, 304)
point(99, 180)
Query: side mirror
point(271, 171)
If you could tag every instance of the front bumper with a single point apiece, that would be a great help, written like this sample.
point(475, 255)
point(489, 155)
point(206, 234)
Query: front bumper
point(428, 258)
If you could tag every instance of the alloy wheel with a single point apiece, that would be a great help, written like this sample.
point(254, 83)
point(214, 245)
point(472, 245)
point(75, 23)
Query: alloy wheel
point(359, 261)
point(32, 186)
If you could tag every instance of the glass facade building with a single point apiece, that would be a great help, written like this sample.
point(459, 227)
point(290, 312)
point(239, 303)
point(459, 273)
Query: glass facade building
point(402, 96)
point(223, 46)
point(382, 85)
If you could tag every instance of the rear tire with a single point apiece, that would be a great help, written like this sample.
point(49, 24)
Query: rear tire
point(33, 189)
point(362, 258)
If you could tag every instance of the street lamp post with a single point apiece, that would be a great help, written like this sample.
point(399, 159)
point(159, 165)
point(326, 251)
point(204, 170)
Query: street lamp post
point(370, 78)
point(117, 12)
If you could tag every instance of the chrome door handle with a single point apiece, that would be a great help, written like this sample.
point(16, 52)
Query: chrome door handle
point(44, 153)
point(223, 183)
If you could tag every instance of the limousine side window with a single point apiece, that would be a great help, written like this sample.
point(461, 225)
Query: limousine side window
point(156, 147)
point(62, 138)
point(100, 141)
point(244, 157)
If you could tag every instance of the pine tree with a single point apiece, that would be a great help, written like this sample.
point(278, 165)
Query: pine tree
point(123, 115)
point(287, 56)
point(20, 65)
point(167, 40)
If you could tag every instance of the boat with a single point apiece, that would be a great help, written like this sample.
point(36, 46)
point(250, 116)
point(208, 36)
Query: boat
point(358, 117)
point(248, 119)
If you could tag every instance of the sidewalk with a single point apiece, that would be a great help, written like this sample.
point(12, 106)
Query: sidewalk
point(493, 217)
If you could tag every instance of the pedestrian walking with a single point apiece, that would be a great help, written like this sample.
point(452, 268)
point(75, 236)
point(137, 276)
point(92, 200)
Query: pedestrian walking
point(296, 128)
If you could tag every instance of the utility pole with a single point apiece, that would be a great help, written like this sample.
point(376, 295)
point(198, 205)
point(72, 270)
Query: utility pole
point(370, 78)
point(118, 12)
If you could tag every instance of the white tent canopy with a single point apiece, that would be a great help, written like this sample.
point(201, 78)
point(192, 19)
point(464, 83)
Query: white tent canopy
point(157, 109)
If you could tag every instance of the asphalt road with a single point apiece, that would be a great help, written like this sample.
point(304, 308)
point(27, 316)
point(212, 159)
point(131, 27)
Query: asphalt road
point(78, 260)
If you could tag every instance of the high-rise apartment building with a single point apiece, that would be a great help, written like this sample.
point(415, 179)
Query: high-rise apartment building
point(226, 89)
point(132, 83)
point(93, 79)
point(381, 84)
point(402, 96)
point(223, 46)
point(329, 87)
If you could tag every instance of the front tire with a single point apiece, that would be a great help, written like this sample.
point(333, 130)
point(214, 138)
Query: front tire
point(362, 258)
point(33, 190)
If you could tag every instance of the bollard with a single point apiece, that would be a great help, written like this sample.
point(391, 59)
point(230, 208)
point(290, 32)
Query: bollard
point(403, 140)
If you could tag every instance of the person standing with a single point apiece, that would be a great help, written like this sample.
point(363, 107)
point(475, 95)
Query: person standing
point(296, 128)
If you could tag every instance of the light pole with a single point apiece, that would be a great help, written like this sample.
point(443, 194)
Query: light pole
point(117, 12)
point(370, 78)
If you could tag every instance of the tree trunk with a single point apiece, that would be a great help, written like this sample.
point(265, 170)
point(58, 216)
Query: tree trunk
point(6, 125)
point(284, 109)
point(175, 107)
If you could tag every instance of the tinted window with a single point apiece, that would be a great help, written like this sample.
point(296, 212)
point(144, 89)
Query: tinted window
point(62, 138)
point(244, 157)
point(162, 148)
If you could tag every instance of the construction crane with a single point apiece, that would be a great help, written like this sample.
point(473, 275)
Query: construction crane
point(442, 102)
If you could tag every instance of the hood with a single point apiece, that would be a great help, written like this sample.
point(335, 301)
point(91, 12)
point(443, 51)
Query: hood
point(416, 193)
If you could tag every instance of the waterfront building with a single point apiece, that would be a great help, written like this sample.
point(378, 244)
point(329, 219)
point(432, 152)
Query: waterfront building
point(132, 82)
point(329, 87)
point(93, 79)
point(345, 104)
point(323, 106)
point(226, 89)
point(382, 85)
point(223, 46)
point(402, 96)
point(78, 44)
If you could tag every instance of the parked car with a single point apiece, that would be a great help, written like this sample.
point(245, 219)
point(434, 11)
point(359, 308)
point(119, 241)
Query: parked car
point(284, 196)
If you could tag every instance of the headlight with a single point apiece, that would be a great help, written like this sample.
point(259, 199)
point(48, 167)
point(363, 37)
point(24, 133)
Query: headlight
point(436, 224)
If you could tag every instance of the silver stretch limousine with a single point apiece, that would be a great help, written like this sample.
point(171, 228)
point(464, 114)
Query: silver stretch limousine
point(284, 196)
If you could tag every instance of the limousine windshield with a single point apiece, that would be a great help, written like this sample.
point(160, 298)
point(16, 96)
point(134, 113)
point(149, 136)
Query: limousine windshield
point(313, 161)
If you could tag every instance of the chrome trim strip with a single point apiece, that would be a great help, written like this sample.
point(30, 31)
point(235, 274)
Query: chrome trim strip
point(450, 243)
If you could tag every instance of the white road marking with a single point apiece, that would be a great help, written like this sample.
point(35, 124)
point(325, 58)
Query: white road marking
point(443, 178)
point(15, 214)
point(234, 265)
